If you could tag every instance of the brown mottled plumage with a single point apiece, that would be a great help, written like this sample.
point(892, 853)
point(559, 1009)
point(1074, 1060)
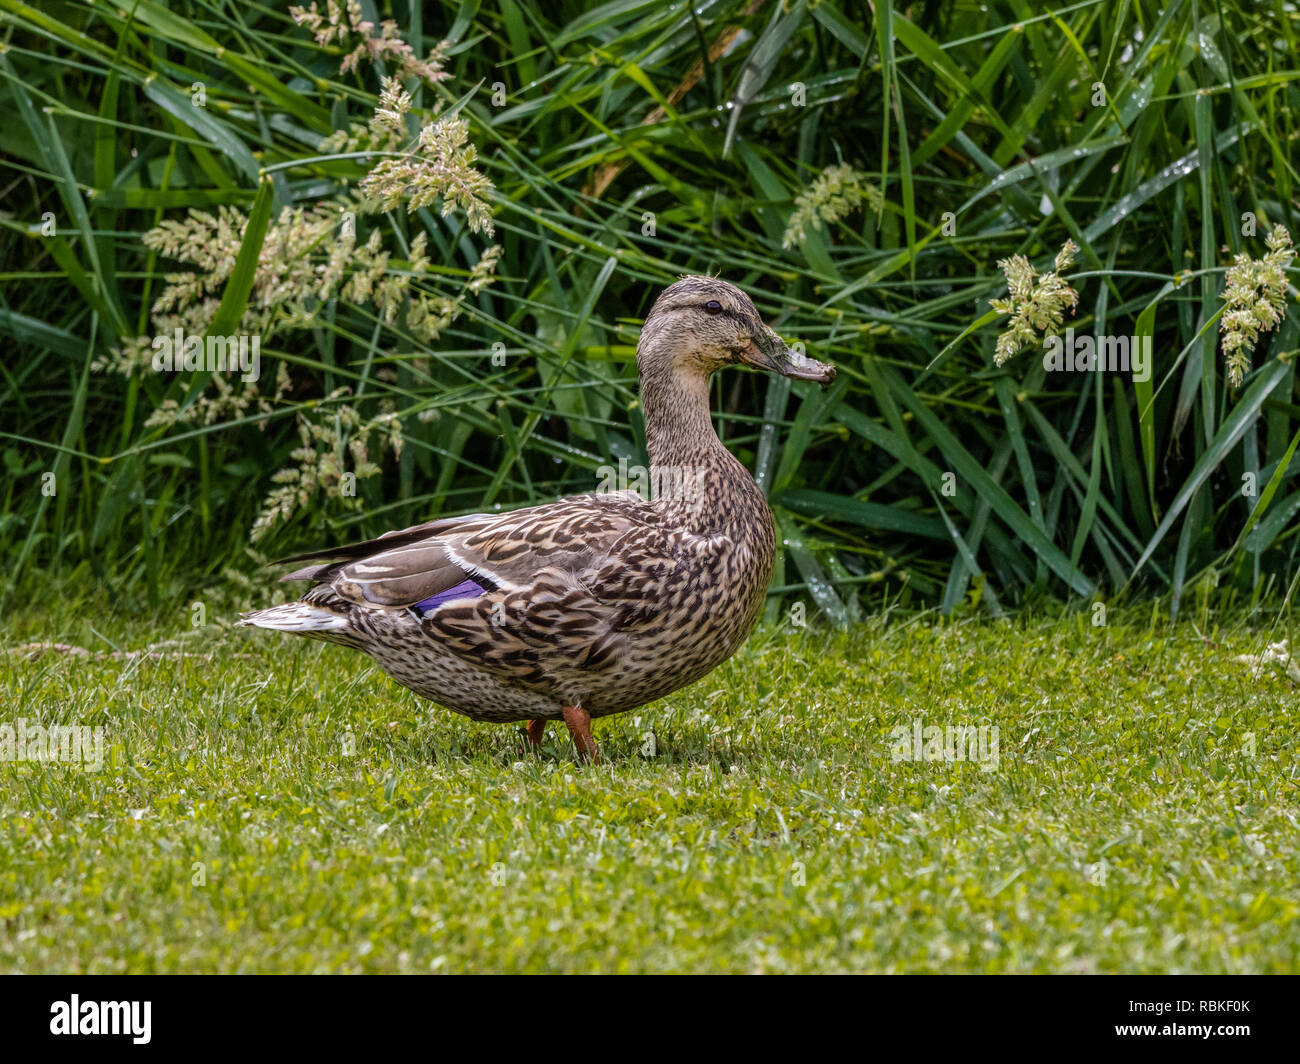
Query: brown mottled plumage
point(594, 604)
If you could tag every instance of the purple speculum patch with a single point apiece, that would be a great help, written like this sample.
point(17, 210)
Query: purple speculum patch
point(465, 589)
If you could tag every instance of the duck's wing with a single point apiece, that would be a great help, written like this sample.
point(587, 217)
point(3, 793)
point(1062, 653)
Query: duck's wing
point(397, 570)
point(505, 550)
point(546, 596)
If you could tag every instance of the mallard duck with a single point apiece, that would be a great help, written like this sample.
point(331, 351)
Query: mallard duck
point(594, 604)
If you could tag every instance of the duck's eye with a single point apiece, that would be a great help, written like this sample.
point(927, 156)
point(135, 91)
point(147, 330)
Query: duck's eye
point(713, 306)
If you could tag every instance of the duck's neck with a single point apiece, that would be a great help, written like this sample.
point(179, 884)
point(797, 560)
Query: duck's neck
point(678, 427)
point(685, 451)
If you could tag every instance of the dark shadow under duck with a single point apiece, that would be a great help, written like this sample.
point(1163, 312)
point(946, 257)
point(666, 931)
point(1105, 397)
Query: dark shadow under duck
point(594, 604)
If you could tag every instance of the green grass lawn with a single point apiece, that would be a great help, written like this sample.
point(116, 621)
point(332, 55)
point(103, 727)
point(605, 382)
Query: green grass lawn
point(282, 806)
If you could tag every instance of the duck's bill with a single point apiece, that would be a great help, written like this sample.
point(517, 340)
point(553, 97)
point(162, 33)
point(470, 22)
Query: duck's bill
point(770, 353)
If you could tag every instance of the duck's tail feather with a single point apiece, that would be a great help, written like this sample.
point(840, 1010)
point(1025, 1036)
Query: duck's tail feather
point(296, 617)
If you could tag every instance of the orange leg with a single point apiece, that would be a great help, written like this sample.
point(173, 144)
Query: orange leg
point(535, 730)
point(579, 724)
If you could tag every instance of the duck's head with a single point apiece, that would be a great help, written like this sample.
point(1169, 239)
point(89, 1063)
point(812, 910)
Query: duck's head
point(700, 324)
